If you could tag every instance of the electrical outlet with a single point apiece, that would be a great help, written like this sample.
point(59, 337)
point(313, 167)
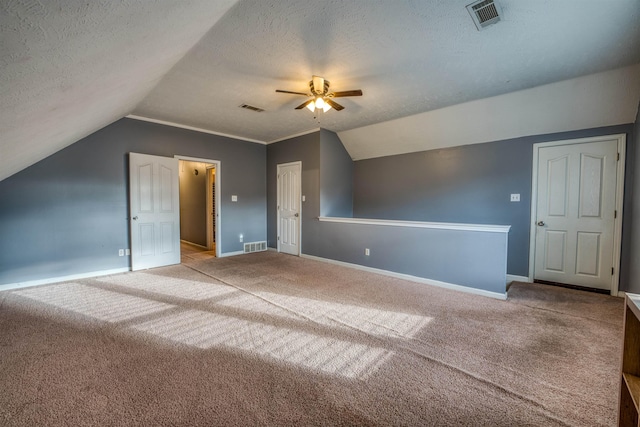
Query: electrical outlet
point(515, 197)
point(367, 252)
point(241, 238)
point(120, 252)
point(127, 251)
point(234, 198)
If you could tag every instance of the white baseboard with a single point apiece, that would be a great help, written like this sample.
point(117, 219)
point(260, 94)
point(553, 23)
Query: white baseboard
point(411, 278)
point(194, 244)
point(226, 254)
point(50, 280)
point(514, 278)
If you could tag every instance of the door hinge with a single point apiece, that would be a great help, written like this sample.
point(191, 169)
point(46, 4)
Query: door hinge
point(612, 270)
point(618, 156)
point(278, 238)
point(615, 214)
point(278, 176)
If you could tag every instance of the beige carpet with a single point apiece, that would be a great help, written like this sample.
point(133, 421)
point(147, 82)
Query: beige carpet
point(269, 339)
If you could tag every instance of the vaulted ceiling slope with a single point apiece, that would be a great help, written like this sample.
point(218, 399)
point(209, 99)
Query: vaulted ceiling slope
point(70, 67)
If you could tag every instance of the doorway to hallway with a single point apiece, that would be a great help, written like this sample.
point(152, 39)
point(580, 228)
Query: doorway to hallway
point(199, 184)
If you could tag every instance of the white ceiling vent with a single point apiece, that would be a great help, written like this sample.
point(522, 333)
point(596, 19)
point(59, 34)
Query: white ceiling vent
point(484, 13)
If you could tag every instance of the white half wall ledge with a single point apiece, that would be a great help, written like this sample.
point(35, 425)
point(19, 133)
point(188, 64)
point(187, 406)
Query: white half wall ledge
point(440, 284)
point(603, 99)
point(420, 224)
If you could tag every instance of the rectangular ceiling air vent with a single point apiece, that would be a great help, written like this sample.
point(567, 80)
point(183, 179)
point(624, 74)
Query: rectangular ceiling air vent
point(252, 108)
point(484, 13)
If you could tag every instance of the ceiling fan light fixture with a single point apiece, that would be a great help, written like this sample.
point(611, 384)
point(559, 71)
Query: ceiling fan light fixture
point(321, 98)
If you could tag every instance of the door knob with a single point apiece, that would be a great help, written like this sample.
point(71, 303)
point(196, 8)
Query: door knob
point(134, 218)
point(541, 223)
point(297, 215)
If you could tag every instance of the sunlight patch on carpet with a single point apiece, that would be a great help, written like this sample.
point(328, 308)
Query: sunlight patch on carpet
point(208, 330)
point(93, 302)
point(257, 305)
point(170, 286)
point(368, 320)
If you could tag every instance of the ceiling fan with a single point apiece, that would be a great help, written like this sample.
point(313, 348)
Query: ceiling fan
point(321, 97)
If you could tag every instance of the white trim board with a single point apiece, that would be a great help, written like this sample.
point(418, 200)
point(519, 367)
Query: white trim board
point(620, 175)
point(295, 135)
point(226, 254)
point(50, 280)
point(195, 129)
point(411, 278)
point(514, 278)
point(420, 224)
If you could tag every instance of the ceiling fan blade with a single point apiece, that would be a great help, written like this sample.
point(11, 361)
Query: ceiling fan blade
point(301, 106)
point(293, 93)
point(334, 104)
point(357, 92)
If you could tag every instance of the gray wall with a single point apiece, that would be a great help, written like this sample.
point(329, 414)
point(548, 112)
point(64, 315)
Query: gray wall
point(431, 254)
point(68, 214)
point(468, 184)
point(193, 202)
point(634, 225)
point(466, 258)
point(336, 177)
point(304, 148)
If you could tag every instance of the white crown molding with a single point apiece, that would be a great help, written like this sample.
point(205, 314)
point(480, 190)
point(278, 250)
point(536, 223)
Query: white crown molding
point(306, 132)
point(178, 125)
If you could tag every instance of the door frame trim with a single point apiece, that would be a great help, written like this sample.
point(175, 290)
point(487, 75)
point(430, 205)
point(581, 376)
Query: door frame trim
point(278, 166)
point(217, 165)
point(620, 176)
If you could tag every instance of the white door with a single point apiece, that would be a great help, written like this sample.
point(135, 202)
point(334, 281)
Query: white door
point(575, 213)
point(289, 207)
point(155, 211)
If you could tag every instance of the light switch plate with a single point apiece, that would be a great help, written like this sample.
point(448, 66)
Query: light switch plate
point(515, 197)
point(234, 198)
point(303, 198)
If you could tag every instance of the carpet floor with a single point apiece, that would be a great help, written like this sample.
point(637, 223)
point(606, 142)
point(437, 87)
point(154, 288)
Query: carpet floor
point(270, 339)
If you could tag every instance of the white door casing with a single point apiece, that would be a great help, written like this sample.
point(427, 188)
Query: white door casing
point(289, 207)
point(154, 211)
point(576, 212)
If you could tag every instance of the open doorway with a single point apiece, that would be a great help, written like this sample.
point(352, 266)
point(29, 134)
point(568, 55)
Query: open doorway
point(199, 183)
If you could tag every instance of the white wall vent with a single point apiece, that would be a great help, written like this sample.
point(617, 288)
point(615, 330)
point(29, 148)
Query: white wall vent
point(255, 247)
point(485, 13)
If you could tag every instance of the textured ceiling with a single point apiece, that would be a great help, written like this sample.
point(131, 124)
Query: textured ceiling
point(70, 67)
point(407, 56)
